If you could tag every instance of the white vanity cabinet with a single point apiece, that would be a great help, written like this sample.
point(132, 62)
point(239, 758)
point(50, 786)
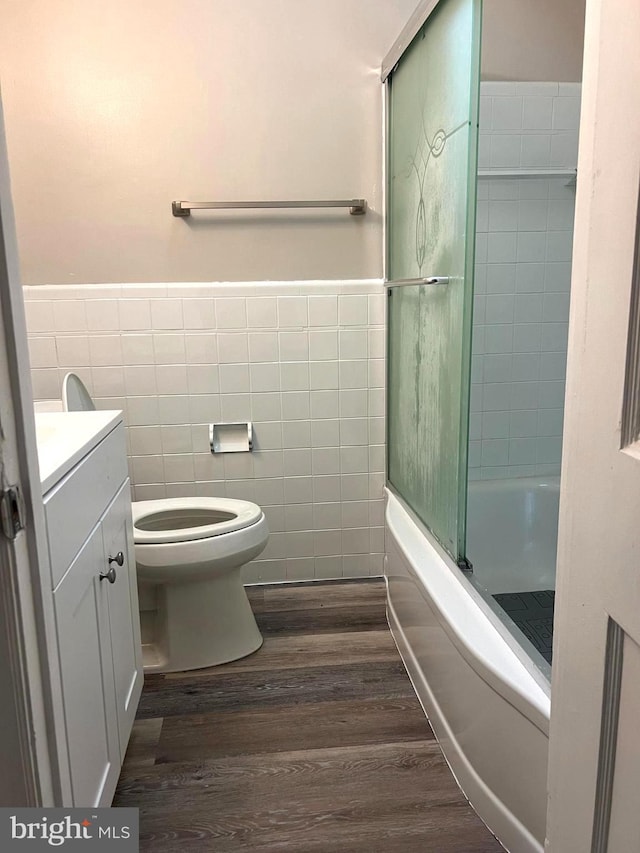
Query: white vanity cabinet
point(95, 602)
point(124, 615)
point(84, 646)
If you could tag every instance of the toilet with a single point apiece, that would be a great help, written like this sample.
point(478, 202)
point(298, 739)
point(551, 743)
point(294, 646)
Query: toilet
point(189, 553)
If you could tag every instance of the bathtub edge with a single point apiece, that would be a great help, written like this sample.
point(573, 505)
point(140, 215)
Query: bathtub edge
point(529, 700)
point(511, 833)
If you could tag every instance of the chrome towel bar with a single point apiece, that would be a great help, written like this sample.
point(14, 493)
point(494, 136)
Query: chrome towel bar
point(357, 206)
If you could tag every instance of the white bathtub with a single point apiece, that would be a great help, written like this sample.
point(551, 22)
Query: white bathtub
point(512, 533)
point(487, 703)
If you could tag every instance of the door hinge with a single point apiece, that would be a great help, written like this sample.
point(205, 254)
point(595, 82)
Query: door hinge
point(11, 512)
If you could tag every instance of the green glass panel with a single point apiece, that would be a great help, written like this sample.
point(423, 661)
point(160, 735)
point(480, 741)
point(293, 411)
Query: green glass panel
point(433, 110)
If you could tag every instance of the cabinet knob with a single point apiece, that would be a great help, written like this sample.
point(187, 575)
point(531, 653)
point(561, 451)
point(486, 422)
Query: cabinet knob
point(109, 575)
point(119, 559)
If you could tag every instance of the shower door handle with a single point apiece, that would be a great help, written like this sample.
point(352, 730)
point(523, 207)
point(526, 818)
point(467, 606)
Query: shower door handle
point(414, 282)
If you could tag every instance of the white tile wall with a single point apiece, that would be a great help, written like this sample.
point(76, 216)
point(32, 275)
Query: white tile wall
point(523, 273)
point(303, 361)
point(529, 125)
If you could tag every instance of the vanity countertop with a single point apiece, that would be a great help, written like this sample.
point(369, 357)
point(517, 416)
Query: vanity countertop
point(64, 438)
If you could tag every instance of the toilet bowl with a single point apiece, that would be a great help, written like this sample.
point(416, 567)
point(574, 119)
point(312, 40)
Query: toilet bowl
point(192, 550)
point(189, 554)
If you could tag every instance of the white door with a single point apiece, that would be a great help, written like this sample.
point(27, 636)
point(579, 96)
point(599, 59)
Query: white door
point(594, 767)
point(26, 724)
point(18, 784)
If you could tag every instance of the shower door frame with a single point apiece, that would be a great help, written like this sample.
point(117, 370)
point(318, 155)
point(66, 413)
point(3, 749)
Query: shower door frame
point(419, 17)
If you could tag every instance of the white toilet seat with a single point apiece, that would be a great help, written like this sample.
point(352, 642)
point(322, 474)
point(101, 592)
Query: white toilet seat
point(170, 520)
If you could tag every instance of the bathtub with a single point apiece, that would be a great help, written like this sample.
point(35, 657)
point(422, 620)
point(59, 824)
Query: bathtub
point(512, 533)
point(487, 703)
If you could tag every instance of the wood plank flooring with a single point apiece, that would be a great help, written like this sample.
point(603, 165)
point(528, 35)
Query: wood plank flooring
point(315, 743)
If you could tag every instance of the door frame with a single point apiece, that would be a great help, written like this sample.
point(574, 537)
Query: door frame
point(25, 638)
point(594, 624)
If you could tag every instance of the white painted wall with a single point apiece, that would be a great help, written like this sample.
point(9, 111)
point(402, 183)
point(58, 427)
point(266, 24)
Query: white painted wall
point(532, 40)
point(114, 109)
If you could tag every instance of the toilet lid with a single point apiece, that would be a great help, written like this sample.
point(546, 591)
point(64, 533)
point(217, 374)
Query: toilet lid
point(185, 519)
point(75, 397)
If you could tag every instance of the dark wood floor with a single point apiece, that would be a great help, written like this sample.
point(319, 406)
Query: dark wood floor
point(315, 743)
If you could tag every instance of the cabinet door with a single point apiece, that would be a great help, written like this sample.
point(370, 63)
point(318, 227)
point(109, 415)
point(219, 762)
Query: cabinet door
point(124, 616)
point(82, 626)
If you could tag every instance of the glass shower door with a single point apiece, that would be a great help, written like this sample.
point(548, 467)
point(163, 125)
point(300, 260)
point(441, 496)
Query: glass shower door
point(432, 147)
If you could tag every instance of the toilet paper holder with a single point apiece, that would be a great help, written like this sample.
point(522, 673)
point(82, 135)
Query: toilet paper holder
point(231, 438)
